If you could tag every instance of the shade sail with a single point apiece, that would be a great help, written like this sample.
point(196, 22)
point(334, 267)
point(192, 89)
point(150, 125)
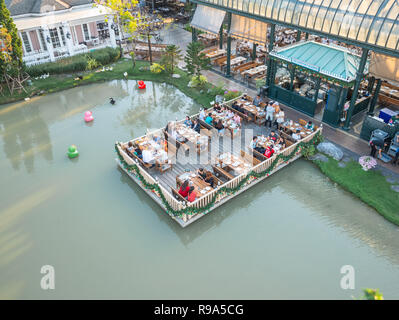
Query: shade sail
point(384, 67)
point(248, 29)
point(208, 19)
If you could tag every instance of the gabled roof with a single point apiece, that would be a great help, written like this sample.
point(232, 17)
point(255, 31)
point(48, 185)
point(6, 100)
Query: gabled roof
point(330, 60)
point(19, 7)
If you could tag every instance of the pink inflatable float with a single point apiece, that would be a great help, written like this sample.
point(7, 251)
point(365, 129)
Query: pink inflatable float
point(88, 116)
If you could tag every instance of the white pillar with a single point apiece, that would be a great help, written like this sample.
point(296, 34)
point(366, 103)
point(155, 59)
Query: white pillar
point(69, 42)
point(50, 49)
point(111, 32)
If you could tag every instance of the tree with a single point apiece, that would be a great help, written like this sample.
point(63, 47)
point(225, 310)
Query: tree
point(147, 25)
point(195, 60)
point(127, 17)
point(9, 42)
point(171, 57)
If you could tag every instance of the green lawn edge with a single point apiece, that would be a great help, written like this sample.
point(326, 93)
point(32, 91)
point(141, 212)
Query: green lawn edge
point(56, 83)
point(369, 186)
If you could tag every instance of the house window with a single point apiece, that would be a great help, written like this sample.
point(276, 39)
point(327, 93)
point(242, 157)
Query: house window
point(55, 40)
point(25, 39)
point(62, 36)
point(103, 31)
point(42, 41)
point(86, 32)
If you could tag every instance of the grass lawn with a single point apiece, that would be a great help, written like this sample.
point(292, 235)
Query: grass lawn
point(370, 186)
point(56, 83)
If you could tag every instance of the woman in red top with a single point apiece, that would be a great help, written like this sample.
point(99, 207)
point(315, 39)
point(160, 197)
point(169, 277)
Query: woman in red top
point(191, 194)
point(184, 189)
point(269, 152)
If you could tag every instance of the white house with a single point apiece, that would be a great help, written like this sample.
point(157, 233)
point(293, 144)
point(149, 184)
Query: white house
point(51, 29)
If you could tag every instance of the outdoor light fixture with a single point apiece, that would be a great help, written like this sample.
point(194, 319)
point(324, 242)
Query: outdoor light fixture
point(114, 27)
point(68, 35)
point(48, 39)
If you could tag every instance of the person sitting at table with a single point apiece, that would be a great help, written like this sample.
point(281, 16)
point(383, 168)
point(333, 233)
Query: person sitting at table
point(202, 115)
point(273, 136)
point(130, 147)
point(220, 127)
point(209, 119)
point(217, 107)
point(197, 126)
point(209, 179)
point(230, 114)
point(235, 105)
point(309, 126)
point(257, 100)
point(188, 122)
point(254, 142)
point(156, 139)
point(192, 194)
point(269, 151)
point(148, 158)
point(201, 172)
point(184, 188)
point(245, 97)
point(237, 119)
point(296, 135)
point(281, 142)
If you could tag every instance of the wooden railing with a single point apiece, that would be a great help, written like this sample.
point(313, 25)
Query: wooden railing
point(176, 205)
point(204, 200)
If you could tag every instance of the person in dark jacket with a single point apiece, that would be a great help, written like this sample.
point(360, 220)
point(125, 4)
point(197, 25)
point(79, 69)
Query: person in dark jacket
point(376, 144)
point(197, 126)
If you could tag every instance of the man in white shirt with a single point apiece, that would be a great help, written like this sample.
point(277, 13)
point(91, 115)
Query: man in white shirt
point(202, 115)
point(148, 157)
point(296, 135)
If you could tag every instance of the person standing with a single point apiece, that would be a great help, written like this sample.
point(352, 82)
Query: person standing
point(269, 114)
point(280, 118)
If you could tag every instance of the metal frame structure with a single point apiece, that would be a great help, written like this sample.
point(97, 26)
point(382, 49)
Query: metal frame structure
point(370, 16)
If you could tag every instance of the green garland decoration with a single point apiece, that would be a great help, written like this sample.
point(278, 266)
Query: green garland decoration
point(223, 190)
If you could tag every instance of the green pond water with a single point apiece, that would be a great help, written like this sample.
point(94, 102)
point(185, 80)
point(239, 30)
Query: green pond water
point(285, 238)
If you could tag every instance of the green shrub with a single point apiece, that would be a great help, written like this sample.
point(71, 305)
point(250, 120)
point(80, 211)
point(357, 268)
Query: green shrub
point(156, 68)
point(75, 63)
point(91, 63)
point(198, 82)
point(232, 94)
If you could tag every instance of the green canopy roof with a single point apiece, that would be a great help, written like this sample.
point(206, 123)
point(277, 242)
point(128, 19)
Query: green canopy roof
point(329, 60)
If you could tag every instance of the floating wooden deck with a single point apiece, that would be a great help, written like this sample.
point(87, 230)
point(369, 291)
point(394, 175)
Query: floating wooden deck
point(167, 180)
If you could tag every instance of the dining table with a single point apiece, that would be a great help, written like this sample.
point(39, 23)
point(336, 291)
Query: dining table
point(216, 53)
point(231, 163)
point(202, 187)
point(258, 113)
point(254, 71)
point(196, 139)
point(228, 123)
point(290, 127)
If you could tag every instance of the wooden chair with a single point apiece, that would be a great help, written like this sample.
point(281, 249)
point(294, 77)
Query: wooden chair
point(258, 155)
point(223, 173)
point(246, 117)
point(249, 158)
point(178, 196)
